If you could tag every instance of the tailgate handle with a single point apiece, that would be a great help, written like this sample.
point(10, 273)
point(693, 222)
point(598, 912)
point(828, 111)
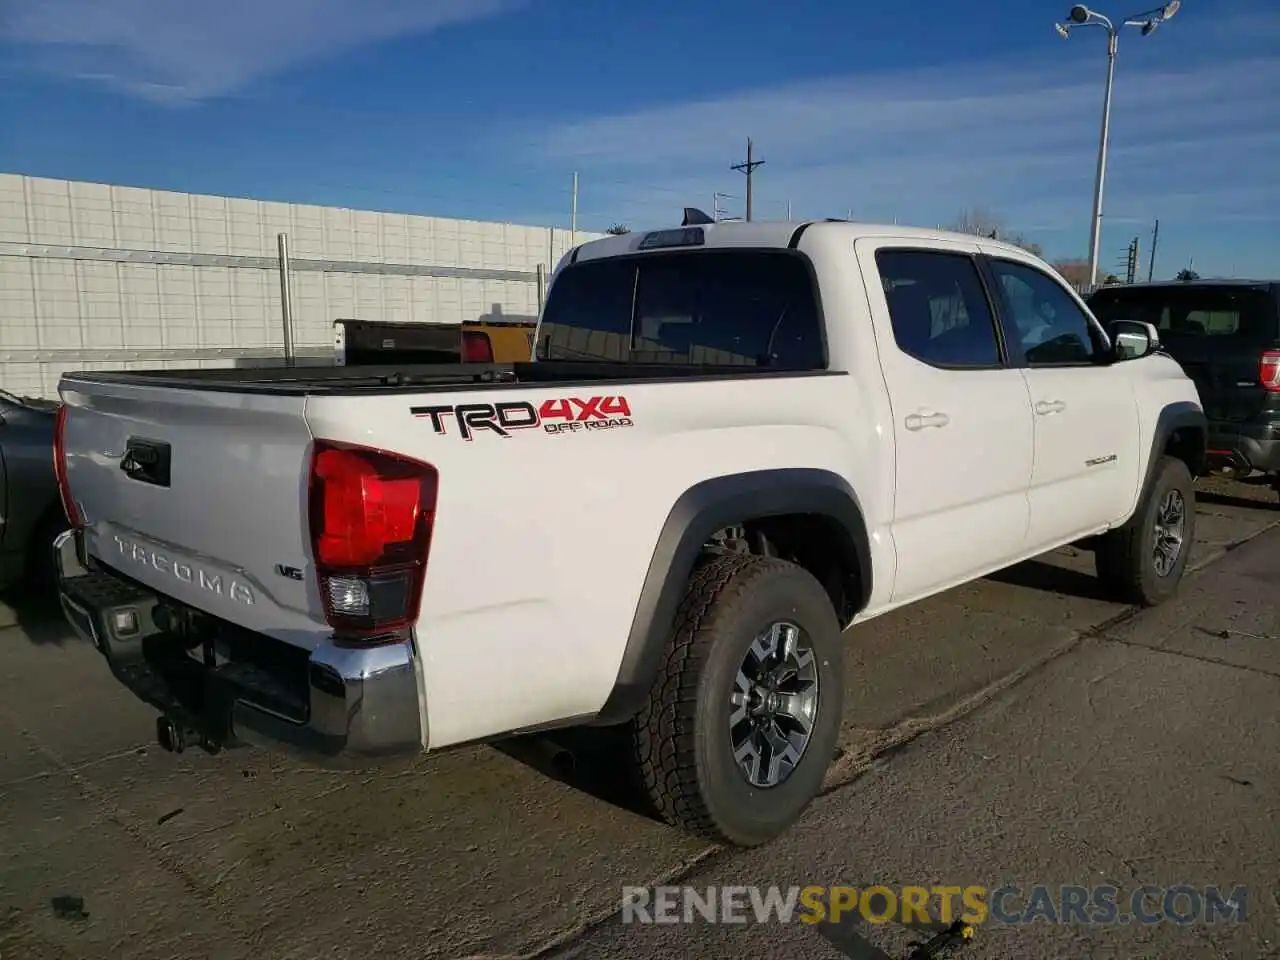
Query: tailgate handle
point(146, 461)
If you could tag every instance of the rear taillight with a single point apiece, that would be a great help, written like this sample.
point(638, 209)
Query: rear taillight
point(476, 347)
point(371, 514)
point(60, 467)
point(1269, 371)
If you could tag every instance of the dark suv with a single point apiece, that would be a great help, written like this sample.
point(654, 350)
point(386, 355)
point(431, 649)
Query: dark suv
point(1226, 336)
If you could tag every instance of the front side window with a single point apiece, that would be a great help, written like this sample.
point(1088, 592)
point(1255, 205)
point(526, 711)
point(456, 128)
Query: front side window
point(1044, 319)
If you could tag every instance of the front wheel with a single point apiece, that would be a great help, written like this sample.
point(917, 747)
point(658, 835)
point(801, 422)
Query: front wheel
point(744, 718)
point(1143, 561)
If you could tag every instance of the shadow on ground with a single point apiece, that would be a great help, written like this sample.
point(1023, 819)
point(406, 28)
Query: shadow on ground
point(592, 760)
point(1229, 500)
point(37, 614)
point(1048, 578)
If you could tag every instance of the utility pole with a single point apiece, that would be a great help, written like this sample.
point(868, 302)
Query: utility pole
point(1151, 267)
point(1131, 264)
point(573, 216)
point(748, 168)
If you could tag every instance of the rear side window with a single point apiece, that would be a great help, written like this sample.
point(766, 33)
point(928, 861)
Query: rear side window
point(939, 308)
point(1234, 314)
point(734, 308)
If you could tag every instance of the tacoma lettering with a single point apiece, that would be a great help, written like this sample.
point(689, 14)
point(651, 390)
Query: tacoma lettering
point(184, 572)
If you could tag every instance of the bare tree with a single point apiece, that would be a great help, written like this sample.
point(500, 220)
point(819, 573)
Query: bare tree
point(618, 229)
point(984, 223)
point(1074, 271)
point(1187, 275)
point(979, 222)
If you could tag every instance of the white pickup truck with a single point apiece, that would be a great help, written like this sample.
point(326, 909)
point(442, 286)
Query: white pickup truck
point(733, 441)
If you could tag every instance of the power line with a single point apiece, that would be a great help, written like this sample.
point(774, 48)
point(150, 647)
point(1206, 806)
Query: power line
point(748, 168)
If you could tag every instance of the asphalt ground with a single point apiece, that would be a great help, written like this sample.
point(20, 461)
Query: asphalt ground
point(1021, 726)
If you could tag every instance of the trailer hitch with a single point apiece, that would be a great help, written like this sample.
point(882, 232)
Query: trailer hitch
point(173, 734)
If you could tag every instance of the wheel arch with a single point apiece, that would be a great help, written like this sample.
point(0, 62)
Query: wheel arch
point(1181, 431)
point(819, 502)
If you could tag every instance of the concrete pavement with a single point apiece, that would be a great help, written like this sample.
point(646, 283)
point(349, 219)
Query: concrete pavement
point(1146, 756)
point(475, 852)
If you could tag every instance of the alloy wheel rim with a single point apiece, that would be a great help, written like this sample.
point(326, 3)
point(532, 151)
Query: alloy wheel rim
point(1169, 532)
point(773, 705)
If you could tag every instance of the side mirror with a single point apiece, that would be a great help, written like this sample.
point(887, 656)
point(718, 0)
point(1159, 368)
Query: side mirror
point(1133, 339)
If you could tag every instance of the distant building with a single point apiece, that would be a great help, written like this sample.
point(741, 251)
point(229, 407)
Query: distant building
point(94, 276)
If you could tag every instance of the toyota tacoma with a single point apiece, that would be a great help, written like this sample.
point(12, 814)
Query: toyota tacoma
point(733, 441)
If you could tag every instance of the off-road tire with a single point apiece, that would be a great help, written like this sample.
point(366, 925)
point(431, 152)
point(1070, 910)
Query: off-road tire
point(1124, 556)
point(682, 748)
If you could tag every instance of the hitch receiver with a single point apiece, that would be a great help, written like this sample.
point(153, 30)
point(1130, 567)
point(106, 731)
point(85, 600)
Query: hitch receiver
point(173, 735)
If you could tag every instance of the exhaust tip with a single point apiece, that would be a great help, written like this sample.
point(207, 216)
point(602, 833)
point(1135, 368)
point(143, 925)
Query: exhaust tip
point(1231, 464)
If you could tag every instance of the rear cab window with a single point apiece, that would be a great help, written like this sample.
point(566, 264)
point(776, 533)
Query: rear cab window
point(721, 308)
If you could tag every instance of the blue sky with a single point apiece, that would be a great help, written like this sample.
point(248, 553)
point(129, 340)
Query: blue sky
point(485, 108)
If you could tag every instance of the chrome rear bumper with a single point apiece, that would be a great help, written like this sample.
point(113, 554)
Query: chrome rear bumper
point(343, 707)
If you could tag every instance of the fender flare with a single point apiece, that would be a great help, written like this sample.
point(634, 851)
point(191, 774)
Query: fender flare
point(699, 512)
point(1181, 415)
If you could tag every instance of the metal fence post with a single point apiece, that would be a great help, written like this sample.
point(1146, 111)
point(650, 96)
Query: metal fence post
point(542, 288)
point(286, 298)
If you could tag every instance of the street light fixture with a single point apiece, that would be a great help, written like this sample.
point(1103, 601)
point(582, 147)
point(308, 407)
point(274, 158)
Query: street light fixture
point(1147, 21)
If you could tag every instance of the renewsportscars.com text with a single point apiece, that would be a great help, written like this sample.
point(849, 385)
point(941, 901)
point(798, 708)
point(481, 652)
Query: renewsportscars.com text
point(1008, 904)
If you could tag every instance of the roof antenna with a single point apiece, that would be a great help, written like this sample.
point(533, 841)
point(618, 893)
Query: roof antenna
point(694, 217)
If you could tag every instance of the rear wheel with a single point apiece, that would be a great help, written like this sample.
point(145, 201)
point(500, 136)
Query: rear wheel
point(743, 720)
point(1143, 561)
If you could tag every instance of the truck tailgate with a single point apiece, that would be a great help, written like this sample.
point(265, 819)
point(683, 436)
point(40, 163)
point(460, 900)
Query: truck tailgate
point(200, 495)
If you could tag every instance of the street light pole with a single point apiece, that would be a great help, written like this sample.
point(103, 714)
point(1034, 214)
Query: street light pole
point(1095, 236)
point(1082, 16)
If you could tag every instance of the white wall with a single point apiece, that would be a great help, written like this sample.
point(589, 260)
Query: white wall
point(103, 277)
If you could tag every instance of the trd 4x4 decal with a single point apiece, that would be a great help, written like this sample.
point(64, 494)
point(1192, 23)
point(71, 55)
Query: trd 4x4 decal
point(558, 415)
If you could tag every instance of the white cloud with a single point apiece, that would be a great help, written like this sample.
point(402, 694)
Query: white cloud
point(1195, 134)
point(180, 51)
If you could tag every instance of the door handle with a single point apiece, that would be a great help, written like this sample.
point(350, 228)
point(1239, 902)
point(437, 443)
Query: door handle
point(918, 421)
point(1045, 407)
